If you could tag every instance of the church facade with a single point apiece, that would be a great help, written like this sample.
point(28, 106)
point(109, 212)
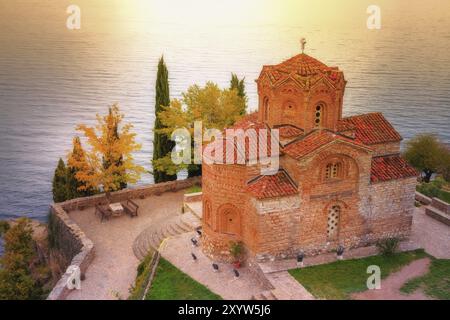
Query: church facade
point(341, 180)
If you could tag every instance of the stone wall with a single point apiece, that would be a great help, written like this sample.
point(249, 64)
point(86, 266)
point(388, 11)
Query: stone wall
point(423, 198)
point(135, 193)
point(73, 244)
point(71, 241)
point(386, 148)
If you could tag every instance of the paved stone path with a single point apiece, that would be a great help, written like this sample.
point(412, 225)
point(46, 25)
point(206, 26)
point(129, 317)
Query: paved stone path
point(287, 288)
point(430, 234)
point(390, 286)
point(178, 251)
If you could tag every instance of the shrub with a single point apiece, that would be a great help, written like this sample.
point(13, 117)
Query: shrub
point(16, 280)
point(388, 246)
point(428, 189)
point(194, 189)
point(236, 249)
point(4, 227)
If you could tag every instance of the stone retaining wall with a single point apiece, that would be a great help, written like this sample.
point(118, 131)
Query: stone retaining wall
point(71, 241)
point(441, 205)
point(422, 198)
point(74, 245)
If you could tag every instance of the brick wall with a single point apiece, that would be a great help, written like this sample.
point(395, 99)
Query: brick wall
point(281, 227)
point(386, 148)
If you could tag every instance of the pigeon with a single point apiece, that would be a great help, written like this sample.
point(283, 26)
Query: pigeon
point(194, 257)
point(236, 273)
point(215, 267)
point(194, 242)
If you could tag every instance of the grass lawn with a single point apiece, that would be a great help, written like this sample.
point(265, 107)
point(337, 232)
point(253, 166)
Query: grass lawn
point(436, 188)
point(170, 283)
point(143, 275)
point(337, 280)
point(436, 283)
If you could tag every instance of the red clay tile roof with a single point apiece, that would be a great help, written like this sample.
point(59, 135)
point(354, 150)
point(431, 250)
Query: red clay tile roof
point(313, 141)
point(251, 143)
point(248, 121)
point(300, 65)
point(391, 167)
point(277, 185)
point(371, 128)
point(289, 131)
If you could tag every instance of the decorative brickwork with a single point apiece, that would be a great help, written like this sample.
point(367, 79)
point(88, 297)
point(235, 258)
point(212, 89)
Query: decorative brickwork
point(341, 181)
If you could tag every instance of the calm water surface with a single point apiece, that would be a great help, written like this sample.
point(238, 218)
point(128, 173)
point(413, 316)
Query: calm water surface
point(52, 78)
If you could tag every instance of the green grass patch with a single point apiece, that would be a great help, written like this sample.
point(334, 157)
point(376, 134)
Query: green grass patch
point(170, 283)
point(194, 189)
point(436, 283)
point(435, 189)
point(143, 274)
point(337, 280)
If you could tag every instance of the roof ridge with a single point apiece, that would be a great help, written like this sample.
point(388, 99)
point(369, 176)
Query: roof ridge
point(395, 154)
point(363, 114)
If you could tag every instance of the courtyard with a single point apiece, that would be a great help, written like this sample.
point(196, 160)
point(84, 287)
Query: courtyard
point(113, 269)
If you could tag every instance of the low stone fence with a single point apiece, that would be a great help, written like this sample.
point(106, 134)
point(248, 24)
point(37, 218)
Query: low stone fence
point(71, 241)
point(437, 209)
point(192, 197)
point(441, 205)
point(135, 193)
point(423, 198)
point(74, 245)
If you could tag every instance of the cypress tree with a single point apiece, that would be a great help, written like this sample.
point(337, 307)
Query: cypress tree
point(239, 85)
point(162, 145)
point(60, 182)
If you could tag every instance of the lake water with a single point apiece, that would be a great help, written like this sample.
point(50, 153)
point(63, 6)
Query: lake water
point(52, 78)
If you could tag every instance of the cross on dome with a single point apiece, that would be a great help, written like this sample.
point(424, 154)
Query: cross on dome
point(303, 44)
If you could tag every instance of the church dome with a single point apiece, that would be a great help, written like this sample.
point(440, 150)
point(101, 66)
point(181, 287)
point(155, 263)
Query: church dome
point(301, 64)
point(300, 67)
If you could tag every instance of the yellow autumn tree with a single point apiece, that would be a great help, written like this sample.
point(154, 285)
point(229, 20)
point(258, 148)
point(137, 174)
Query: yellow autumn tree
point(216, 108)
point(77, 161)
point(110, 161)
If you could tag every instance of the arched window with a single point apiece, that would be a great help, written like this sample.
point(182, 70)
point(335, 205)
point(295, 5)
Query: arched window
point(318, 116)
point(207, 214)
point(266, 108)
point(333, 170)
point(334, 214)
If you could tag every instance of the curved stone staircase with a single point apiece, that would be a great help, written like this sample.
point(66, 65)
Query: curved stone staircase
point(151, 238)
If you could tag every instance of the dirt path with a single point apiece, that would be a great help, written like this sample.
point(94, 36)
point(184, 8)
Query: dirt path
point(390, 286)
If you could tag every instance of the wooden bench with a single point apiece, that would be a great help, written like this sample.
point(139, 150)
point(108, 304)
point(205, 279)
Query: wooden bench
point(103, 211)
point(130, 208)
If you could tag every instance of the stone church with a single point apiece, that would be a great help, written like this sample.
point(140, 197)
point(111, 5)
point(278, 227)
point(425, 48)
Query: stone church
point(341, 180)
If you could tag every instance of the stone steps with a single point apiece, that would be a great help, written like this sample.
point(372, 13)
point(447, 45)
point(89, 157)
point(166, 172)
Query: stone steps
point(264, 295)
point(438, 215)
point(152, 237)
point(286, 287)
